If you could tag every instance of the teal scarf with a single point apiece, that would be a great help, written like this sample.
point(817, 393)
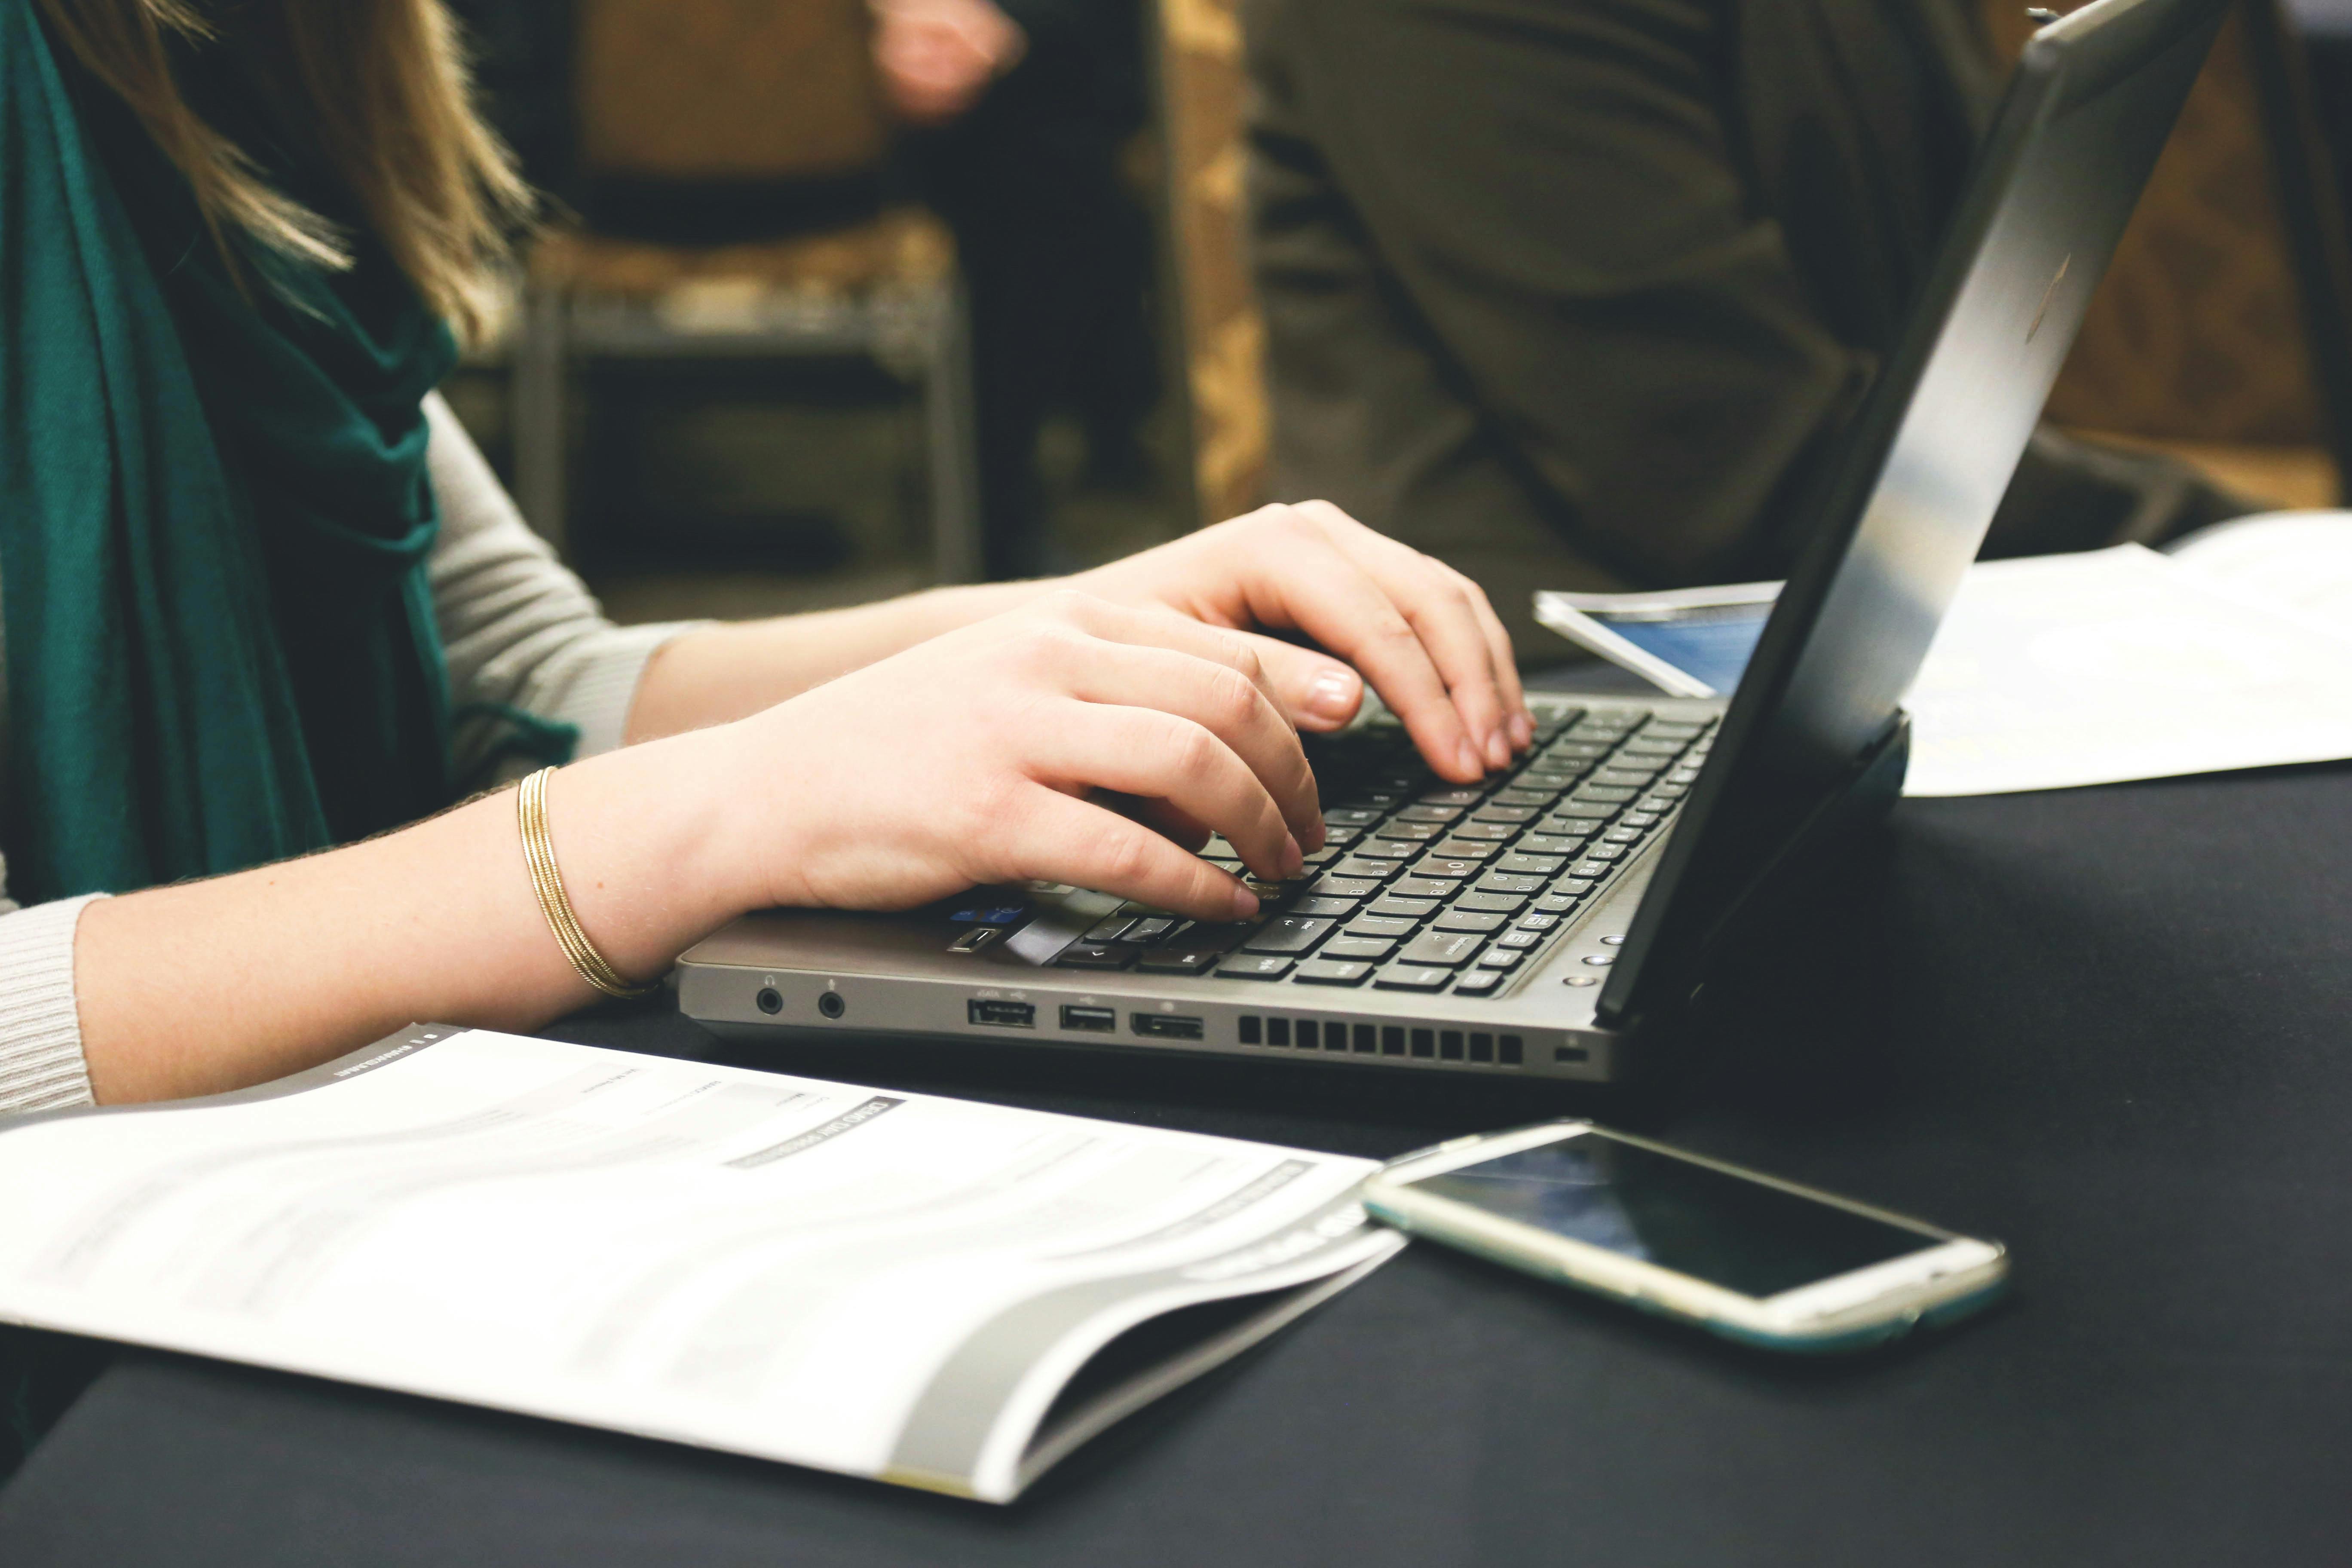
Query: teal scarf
point(214, 507)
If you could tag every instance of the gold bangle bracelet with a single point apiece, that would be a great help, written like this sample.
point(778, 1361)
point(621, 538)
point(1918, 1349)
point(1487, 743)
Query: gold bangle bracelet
point(539, 854)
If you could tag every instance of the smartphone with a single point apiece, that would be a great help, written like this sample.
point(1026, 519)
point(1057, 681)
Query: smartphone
point(1690, 642)
point(1742, 1255)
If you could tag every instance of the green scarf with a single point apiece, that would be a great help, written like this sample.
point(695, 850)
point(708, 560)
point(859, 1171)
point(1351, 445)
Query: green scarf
point(213, 507)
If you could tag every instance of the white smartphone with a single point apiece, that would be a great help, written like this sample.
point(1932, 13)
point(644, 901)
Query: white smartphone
point(1742, 1255)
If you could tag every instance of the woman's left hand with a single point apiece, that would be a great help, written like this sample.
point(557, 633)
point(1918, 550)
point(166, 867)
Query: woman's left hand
point(1420, 631)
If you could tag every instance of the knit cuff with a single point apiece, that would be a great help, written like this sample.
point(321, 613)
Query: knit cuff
point(41, 1066)
point(597, 691)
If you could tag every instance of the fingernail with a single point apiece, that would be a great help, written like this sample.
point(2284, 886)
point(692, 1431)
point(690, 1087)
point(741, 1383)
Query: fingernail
point(1294, 859)
point(1336, 695)
point(1523, 729)
point(1498, 750)
point(1465, 757)
point(1245, 903)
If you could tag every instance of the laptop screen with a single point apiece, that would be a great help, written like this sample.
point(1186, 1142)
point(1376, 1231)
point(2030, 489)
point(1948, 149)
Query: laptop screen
point(1903, 510)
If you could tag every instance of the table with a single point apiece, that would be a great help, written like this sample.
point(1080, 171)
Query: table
point(2113, 1028)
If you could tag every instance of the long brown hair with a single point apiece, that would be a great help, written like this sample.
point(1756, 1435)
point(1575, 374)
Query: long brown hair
point(384, 85)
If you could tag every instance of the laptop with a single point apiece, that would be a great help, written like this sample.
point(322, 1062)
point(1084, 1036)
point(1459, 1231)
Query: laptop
point(1550, 920)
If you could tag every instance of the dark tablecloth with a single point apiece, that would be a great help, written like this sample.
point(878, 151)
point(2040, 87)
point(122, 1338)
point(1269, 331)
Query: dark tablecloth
point(2109, 1026)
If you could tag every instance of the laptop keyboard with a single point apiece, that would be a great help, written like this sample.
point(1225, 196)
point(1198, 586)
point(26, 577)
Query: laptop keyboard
point(1425, 885)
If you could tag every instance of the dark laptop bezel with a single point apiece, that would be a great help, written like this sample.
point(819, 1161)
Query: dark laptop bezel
point(1853, 624)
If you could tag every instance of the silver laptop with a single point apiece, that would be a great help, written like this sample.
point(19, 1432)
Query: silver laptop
point(1548, 921)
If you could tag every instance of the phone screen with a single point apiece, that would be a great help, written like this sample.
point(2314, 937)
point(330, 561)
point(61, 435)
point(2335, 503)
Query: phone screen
point(1727, 1230)
point(1711, 642)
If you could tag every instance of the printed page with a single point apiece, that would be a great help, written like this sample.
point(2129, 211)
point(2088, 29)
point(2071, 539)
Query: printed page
point(2062, 671)
point(775, 1266)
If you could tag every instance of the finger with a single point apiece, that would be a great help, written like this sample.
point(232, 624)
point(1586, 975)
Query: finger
point(1058, 838)
point(1314, 690)
point(1305, 582)
point(1165, 756)
point(1517, 719)
point(1438, 603)
point(1157, 658)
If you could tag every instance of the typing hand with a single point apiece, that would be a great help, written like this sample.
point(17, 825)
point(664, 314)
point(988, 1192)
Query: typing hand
point(937, 57)
point(1423, 633)
point(976, 757)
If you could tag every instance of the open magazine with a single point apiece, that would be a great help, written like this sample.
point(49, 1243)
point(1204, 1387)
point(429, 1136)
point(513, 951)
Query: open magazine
point(927, 1291)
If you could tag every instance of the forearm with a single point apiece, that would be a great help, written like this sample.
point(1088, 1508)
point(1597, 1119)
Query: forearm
point(210, 985)
point(722, 673)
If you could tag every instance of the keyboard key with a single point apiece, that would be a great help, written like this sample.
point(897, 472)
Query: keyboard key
point(1254, 966)
point(1537, 922)
point(1366, 947)
point(1548, 782)
point(1458, 796)
point(1418, 887)
point(1519, 939)
point(1478, 983)
point(1573, 887)
point(1604, 852)
point(1547, 844)
point(1179, 957)
point(1628, 778)
point(1448, 868)
point(1532, 865)
point(1557, 903)
point(1403, 909)
point(1441, 947)
point(1288, 933)
point(1410, 977)
point(1593, 812)
point(1412, 832)
point(1490, 903)
point(1592, 869)
point(1604, 794)
point(1480, 921)
point(1673, 730)
point(1098, 955)
point(1641, 819)
point(1454, 847)
point(1385, 927)
point(1649, 745)
point(1425, 813)
point(1623, 835)
point(1224, 937)
point(1499, 958)
point(1329, 972)
point(1351, 816)
point(1491, 832)
point(1515, 815)
point(1321, 904)
point(1509, 882)
point(1387, 849)
point(1355, 869)
point(1518, 796)
point(1109, 930)
point(1145, 932)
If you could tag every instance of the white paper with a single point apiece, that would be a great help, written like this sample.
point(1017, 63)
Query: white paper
point(2297, 561)
point(780, 1267)
point(2056, 671)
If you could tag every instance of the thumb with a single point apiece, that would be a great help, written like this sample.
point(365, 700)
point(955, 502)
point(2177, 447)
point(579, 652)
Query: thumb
point(1314, 690)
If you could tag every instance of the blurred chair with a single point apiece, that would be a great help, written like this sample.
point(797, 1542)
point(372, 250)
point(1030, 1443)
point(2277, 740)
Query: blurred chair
point(1201, 91)
point(717, 123)
point(2223, 332)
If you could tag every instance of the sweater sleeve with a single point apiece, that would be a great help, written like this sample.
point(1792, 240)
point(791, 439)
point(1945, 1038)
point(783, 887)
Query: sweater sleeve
point(518, 631)
point(41, 1066)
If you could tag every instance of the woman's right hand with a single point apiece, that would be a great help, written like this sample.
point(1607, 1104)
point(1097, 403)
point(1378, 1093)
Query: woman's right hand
point(985, 756)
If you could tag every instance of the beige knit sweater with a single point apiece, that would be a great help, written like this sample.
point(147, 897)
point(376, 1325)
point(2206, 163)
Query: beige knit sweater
point(517, 628)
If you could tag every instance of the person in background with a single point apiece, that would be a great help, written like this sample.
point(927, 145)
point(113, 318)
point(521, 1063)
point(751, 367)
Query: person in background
point(1580, 293)
point(1020, 111)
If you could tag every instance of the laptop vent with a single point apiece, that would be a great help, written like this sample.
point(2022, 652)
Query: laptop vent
point(1276, 1032)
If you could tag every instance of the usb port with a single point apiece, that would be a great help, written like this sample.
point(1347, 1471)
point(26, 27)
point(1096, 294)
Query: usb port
point(1101, 1020)
point(1004, 1015)
point(1165, 1025)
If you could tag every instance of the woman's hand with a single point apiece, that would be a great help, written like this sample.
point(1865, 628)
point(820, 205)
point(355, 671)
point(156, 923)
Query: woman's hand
point(980, 757)
point(1420, 631)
